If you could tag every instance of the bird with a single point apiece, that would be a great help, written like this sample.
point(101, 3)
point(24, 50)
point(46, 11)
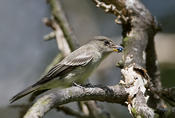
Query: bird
point(74, 68)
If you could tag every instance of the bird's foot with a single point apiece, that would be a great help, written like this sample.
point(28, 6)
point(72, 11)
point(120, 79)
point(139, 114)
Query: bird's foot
point(89, 85)
point(77, 85)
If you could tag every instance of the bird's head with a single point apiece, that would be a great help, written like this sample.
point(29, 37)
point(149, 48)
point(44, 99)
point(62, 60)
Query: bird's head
point(106, 45)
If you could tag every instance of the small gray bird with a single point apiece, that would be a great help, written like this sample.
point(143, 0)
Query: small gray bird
point(75, 68)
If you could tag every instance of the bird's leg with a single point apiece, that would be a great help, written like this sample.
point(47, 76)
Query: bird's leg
point(77, 85)
point(89, 85)
point(82, 86)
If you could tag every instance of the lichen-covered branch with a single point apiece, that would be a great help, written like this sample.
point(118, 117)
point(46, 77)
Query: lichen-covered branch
point(114, 94)
point(139, 28)
point(135, 80)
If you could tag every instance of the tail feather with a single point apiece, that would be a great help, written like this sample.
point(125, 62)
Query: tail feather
point(23, 93)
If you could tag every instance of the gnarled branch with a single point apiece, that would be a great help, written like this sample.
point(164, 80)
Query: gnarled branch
point(113, 94)
point(139, 28)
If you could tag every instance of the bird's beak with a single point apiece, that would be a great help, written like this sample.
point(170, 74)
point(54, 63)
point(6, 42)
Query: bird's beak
point(117, 48)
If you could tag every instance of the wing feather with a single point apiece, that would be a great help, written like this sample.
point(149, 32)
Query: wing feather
point(75, 59)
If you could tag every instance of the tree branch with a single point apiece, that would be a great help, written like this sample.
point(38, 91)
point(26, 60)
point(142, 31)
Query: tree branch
point(113, 94)
point(139, 28)
point(62, 32)
point(60, 18)
point(96, 111)
point(62, 43)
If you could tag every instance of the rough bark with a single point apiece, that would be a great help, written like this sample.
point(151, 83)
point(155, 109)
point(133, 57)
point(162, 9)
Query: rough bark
point(56, 97)
point(139, 28)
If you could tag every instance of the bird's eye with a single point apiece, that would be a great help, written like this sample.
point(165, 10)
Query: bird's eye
point(106, 43)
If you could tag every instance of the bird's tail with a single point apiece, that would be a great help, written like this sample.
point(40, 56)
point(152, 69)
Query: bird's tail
point(23, 93)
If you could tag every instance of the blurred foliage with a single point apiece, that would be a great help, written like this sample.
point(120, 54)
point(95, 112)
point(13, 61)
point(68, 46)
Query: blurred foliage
point(167, 74)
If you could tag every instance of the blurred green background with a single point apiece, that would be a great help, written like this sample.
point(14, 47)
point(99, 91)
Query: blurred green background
point(24, 55)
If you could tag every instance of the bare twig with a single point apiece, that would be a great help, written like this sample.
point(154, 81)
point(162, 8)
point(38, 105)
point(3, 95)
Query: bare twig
point(60, 18)
point(83, 107)
point(50, 36)
point(62, 43)
point(96, 111)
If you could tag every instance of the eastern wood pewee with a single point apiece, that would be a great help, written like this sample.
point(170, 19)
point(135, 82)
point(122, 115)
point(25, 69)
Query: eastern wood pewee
point(76, 67)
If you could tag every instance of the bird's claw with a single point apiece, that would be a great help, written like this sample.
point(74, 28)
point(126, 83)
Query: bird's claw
point(77, 85)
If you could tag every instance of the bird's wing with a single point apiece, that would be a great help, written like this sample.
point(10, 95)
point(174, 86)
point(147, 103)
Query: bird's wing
point(69, 63)
point(77, 58)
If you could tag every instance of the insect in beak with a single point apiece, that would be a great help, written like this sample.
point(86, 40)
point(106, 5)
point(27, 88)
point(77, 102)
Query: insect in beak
point(117, 48)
